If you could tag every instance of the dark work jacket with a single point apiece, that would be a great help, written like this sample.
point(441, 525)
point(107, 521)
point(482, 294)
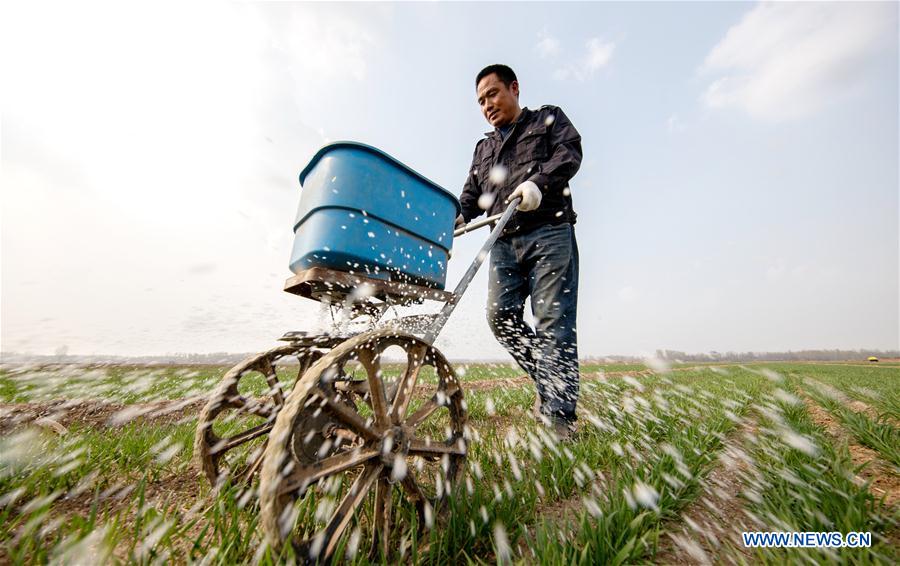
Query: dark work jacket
point(543, 147)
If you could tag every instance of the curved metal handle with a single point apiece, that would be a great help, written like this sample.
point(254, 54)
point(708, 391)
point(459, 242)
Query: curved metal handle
point(484, 221)
point(445, 313)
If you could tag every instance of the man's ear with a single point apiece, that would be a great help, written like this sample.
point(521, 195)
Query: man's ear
point(514, 87)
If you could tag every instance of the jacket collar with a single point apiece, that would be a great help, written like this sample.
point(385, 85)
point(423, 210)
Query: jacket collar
point(495, 133)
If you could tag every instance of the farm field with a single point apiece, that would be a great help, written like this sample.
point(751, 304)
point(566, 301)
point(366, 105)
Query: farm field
point(668, 466)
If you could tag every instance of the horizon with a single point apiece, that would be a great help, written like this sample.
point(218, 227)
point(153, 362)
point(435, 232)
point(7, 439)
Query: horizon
point(684, 357)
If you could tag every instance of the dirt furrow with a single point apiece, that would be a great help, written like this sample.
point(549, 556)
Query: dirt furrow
point(883, 479)
point(61, 414)
point(709, 529)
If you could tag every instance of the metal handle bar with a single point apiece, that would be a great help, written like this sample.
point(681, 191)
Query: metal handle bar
point(477, 224)
point(463, 284)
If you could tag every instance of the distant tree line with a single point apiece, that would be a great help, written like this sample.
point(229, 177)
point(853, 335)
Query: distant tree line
point(215, 359)
point(226, 358)
point(789, 356)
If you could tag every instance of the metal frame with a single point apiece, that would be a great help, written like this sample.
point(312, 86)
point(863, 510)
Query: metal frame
point(463, 284)
point(317, 283)
point(345, 445)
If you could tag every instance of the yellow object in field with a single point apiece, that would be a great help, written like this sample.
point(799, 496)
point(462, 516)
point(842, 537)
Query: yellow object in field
point(873, 359)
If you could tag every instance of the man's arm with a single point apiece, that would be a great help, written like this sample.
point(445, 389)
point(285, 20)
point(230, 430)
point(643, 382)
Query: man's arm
point(471, 191)
point(565, 155)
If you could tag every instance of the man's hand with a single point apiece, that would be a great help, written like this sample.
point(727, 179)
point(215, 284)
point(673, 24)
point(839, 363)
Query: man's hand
point(530, 195)
point(460, 222)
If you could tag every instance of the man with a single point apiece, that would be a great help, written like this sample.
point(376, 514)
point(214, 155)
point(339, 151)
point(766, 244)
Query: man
point(532, 155)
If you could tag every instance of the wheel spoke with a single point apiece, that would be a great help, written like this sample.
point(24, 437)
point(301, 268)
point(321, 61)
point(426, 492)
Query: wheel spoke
point(251, 406)
point(227, 444)
point(348, 416)
point(268, 369)
point(228, 404)
point(422, 448)
point(415, 494)
point(358, 386)
point(407, 383)
point(438, 400)
point(307, 363)
point(383, 504)
point(307, 475)
point(308, 360)
point(413, 491)
point(389, 406)
point(344, 513)
point(247, 473)
point(376, 390)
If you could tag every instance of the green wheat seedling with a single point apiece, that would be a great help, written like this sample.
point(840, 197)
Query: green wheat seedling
point(126, 491)
point(878, 434)
point(804, 483)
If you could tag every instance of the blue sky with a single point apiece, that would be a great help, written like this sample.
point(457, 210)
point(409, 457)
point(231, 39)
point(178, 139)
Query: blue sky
point(739, 189)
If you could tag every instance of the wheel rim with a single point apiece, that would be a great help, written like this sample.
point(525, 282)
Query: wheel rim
point(389, 466)
point(232, 428)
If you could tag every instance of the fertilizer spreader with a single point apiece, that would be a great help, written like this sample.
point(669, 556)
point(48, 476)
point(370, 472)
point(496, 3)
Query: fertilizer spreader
point(346, 443)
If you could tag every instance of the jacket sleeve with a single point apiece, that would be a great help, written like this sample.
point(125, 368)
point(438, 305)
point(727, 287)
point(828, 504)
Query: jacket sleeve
point(471, 191)
point(565, 155)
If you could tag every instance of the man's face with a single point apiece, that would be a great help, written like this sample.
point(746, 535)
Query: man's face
point(499, 103)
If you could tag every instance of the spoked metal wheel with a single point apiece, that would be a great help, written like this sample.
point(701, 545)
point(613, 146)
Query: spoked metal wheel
point(402, 451)
point(234, 424)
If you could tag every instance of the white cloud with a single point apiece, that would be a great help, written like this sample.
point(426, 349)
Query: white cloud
point(788, 60)
point(547, 46)
point(597, 55)
point(324, 42)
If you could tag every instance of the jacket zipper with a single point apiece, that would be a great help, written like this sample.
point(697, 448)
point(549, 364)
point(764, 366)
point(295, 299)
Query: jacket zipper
point(512, 221)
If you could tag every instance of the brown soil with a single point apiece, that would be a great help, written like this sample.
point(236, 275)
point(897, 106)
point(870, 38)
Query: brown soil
point(175, 491)
point(719, 513)
point(854, 364)
point(871, 412)
point(486, 384)
point(883, 480)
point(710, 527)
point(854, 405)
point(60, 415)
point(183, 488)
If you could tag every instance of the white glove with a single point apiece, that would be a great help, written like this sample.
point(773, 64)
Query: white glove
point(530, 194)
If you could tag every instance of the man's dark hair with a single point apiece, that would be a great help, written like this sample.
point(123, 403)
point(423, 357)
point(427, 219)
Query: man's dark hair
point(504, 73)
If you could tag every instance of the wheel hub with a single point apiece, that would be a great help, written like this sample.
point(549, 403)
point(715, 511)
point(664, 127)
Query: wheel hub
point(394, 444)
point(315, 435)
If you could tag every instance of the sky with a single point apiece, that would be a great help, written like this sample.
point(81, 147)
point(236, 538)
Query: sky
point(739, 189)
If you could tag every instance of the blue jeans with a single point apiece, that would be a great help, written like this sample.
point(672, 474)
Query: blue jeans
point(543, 264)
